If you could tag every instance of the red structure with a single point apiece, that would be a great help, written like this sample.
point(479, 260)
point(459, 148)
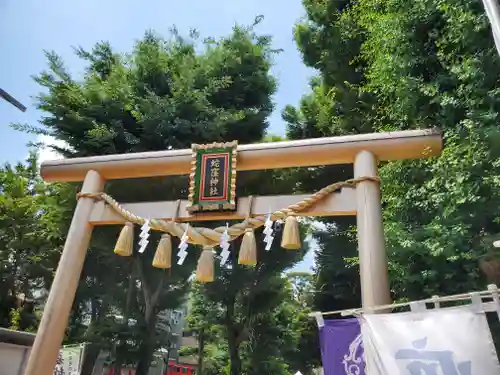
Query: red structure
point(174, 368)
point(180, 368)
point(125, 371)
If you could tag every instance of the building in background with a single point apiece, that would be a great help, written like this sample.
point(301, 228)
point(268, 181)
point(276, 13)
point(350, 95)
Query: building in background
point(171, 322)
point(179, 337)
point(167, 360)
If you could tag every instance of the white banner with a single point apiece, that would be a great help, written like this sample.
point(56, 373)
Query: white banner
point(454, 341)
point(69, 361)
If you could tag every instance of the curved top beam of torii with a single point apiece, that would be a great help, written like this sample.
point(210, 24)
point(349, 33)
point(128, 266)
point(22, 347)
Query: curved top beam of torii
point(409, 144)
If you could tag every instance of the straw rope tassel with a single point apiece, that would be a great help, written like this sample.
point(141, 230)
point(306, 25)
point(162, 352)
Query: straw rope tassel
point(205, 268)
point(124, 244)
point(248, 249)
point(291, 234)
point(163, 254)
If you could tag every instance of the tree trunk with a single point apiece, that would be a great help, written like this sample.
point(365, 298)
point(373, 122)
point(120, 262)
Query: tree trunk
point(232, 340)
point(150, 316)
point(201, 350)
point(90, 355)
point(234, 353)
point(121, 346)
point(147, 347)
point(92, 350)
point(117, 365)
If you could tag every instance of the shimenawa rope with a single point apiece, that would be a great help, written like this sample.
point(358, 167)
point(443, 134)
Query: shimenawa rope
point(211, 237)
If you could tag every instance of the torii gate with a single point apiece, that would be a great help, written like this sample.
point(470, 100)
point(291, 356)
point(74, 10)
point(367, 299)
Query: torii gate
point(364, 201)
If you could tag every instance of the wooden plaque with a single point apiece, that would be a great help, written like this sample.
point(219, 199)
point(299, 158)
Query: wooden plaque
point(212, 181)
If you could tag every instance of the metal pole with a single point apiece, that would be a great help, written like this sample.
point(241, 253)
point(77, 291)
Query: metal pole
point(5, 95)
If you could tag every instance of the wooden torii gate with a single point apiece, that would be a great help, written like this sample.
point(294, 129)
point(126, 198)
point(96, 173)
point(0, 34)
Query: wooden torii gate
point(364, 201)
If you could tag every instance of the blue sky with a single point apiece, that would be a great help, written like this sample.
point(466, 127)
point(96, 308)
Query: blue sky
point(30, 26)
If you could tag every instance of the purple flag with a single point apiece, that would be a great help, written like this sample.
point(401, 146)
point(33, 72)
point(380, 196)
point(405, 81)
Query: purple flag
point(341, 347)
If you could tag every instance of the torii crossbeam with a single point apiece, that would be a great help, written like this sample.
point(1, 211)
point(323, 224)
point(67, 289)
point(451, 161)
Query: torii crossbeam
point(364, 151)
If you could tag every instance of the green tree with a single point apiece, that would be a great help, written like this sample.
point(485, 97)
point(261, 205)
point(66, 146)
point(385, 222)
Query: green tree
point(439, 212)
point(268, 318)
point(337, 105)
point(244, 294)
point(31, 216)
point(204, 321)
point(302, 354)
point(166, 94)
point(387, 65)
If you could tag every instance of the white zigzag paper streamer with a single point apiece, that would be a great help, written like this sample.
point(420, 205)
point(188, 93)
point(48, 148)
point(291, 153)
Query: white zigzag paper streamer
point(224, 244)
point(144, 235)
point(183, 245)
point(268, 231)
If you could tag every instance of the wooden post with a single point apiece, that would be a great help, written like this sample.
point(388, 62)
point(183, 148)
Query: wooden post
point(56, 312)
point(372, 257)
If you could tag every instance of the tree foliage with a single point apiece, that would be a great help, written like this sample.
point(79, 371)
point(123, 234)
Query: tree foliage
point(403, 65)
point(31, 216)
point(166, 94)
point(273, 333)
